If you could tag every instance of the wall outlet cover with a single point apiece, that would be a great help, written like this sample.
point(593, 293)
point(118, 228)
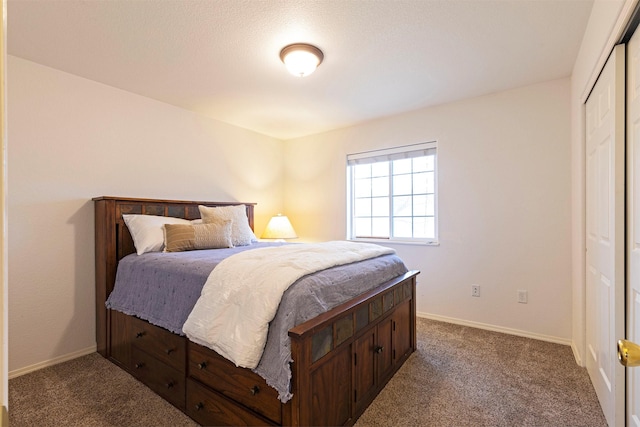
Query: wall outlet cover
point(523, 298)
point(475, 290)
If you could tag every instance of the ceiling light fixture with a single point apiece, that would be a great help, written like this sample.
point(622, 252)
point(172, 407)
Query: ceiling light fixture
point(301, 59)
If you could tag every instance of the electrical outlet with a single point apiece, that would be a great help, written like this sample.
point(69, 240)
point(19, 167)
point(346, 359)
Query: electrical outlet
point(522, 297)
point(475, 290)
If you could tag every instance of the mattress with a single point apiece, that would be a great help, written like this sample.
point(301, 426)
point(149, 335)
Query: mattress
point(163, 288)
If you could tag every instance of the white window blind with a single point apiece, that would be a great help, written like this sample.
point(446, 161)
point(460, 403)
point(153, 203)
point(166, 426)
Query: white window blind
point(392, 194)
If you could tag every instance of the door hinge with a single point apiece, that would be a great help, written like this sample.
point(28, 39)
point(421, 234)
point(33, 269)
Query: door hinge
point(394, 325)
point(355, 359)
point(355, 395)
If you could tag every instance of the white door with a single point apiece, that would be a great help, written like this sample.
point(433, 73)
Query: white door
point(633, 222)
point(605, 169)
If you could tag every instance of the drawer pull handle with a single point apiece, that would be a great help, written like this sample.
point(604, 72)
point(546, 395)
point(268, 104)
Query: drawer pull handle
point(255, 390)
point(170, 384)
point(140, 334)
point(379, 349)
point(139, 365)
point(199, 406)
point(169, 350)
point(202, 365)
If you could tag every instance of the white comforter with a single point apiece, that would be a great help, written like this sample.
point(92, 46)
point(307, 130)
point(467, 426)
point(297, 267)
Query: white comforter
point(242, 294)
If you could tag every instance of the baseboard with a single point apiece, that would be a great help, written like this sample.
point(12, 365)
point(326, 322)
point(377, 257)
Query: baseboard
point(27, 369)
point(488, 327)
point(576, 355)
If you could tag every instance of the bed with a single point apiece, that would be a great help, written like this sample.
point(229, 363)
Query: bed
point(341, 358)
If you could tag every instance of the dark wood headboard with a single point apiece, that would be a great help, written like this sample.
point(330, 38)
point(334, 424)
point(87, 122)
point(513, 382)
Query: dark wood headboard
point(113, 240)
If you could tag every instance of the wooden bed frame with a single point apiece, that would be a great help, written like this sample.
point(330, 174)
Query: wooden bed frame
point(341, 358)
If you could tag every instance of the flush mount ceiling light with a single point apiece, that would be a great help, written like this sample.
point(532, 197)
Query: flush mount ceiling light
point(301, 59)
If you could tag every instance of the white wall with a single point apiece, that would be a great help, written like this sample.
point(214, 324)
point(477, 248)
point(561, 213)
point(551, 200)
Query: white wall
point(605, 27)
point(504, 161)
point(71, 139)
point(504, 204)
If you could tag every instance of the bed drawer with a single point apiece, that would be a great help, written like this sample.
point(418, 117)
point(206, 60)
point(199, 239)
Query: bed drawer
point(166, 381)
point(239, 384)
point(164, 345)
point(210, 408)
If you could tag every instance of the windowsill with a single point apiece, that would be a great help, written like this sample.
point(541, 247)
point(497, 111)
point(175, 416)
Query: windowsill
point(396, 242)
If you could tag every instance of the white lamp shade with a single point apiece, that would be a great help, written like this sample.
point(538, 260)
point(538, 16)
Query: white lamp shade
point(301, 59)
point(279, 227)
point(301, 63)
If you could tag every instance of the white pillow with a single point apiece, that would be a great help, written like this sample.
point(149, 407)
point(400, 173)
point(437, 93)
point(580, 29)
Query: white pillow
point(241, 233)
point(146, 231)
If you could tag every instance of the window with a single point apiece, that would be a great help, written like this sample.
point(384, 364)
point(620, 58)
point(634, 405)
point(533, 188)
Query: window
point(392, 194)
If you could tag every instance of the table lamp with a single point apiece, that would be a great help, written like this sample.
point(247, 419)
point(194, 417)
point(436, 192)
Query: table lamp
point(278, 229)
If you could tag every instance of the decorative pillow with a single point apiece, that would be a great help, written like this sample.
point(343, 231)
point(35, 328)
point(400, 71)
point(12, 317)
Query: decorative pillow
point(241, 233)
point(146, 231)
point(187, 237)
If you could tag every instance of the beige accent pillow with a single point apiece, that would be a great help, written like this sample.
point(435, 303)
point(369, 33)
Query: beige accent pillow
point(188, 237)
point(241, 233)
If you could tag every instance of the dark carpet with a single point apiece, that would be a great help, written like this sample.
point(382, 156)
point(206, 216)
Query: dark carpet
point(460, 376)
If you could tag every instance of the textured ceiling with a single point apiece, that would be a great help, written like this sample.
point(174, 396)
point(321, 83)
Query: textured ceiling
point(220, 57)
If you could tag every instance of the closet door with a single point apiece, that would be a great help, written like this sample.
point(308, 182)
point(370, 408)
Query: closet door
point(605, 192)
point(633, 222)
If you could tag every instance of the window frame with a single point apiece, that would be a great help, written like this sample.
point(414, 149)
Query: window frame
point(390, 154)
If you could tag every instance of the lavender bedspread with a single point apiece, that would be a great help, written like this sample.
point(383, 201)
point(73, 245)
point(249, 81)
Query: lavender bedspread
point(163, 288)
